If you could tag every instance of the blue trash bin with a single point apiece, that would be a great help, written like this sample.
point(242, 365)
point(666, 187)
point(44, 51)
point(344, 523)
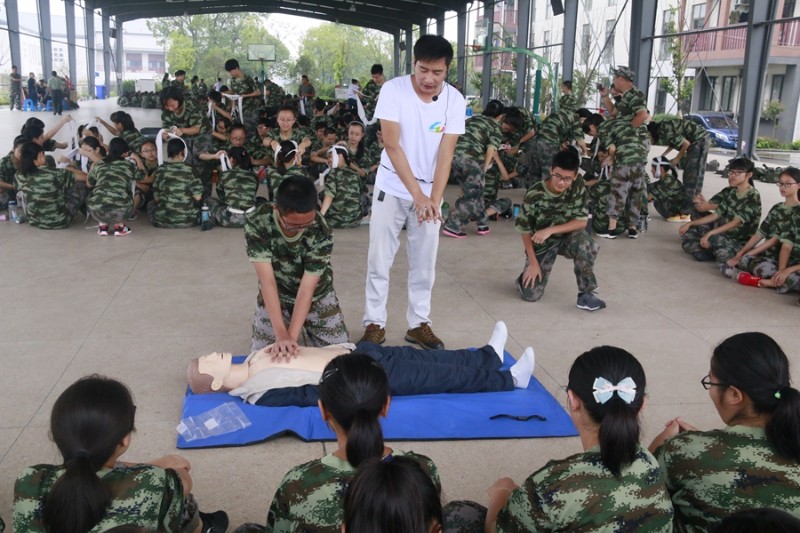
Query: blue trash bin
point(100, 92)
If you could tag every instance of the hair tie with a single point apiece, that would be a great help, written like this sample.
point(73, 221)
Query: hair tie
point(779, 391)
point(603, 390)
point(81, 454)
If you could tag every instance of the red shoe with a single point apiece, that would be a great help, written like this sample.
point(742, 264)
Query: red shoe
point(746, 278)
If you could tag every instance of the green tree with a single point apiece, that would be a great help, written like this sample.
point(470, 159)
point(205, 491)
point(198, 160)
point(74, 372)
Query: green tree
point(677, 85)
point(771, 112)
point(583, 84)
point(201, 44)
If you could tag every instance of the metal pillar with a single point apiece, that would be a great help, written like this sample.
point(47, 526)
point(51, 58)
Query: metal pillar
point(486, 78)
point(523, 29)
point(69, 11)
point(409, 48)
point(120, 53)
point(570, 29)
point(106, 31)
point(45, 36)
point(461, 62)
point(88, 17)
point(756, 59)
point(440, 24)
point(396, 39)
point(12, 15)
point(640, 56)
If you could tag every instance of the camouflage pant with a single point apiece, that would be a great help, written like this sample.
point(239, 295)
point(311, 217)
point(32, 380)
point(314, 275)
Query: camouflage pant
point(491, 185)
point(578, 246)
point(766, 267)
point(666, 205)
point(722, 247)
point(694, 171)
point(15, 99)
point(535, 164)
point(75, 197)
point(196, 146)
point(598, 204)
point(111, 215)
point(226, 218)
point(190, 520)
point(324, 324)
point(463, 516)
point(469, 174)
point(627, 192)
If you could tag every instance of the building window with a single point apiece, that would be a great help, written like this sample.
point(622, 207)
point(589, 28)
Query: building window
point(698, 16)
point(133, 62)
point(586, 43)
point(726, 99)
point(155, 62)
point(708, 89)
point(608, 52)
point(776, 89)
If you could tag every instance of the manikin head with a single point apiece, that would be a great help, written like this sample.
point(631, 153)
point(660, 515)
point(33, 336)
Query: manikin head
point(207, 373)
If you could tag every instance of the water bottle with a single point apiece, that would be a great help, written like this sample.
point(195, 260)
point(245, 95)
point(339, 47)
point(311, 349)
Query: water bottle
point(205, 218)
point(13, 214)
point(515, 212)
point(445, 210)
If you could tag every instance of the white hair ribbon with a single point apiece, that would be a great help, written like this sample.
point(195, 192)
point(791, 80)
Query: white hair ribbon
point(76, 142)
point(160, 145)
point(72, 154)
point(225, 163)
point(277, 150)
point(212, 116)
point(603, 390)
point(363, 114)
point(237, 100)
point(302, 107)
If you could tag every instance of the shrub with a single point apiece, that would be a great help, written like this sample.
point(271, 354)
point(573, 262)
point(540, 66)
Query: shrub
point(661, 116)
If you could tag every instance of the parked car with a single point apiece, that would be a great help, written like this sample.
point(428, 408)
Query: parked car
point(721, 127)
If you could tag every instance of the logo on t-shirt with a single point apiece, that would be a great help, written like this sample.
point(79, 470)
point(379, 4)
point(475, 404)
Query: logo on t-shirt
point(436, 127)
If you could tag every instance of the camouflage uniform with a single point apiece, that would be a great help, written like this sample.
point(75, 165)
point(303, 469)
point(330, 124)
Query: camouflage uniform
point(543, 209)
point(628, 171)
point(193, 116)
point(672, 132)
point(782, 222)
point(308, 252)
point(7, 173)
point(111, 197)
point(557, 128)
point(236, 191)
point(713, 474)
point(274, 97)
point(568, 102)
point(142, 495)
point(344, 186)
point(668, 195)
point(275, 177)
point(580, 494)
point(370, 94)
point(133, 138)
point(311, 496)
point(250, 105)
point(730, 205)
point(482, 133)
point(174, 190)
point(52, 197)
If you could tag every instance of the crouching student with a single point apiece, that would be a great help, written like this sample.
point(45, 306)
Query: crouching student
point(236, 190)
point(177, 191)
point(111, 199)
point(290, 245)
point(667, 193)
point(553, 222)
point(341, 205)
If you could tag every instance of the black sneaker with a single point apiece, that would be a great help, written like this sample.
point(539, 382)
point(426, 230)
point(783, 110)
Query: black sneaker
point(216, 522)
point(632, 233)
point(589, 302)
point(611, 233)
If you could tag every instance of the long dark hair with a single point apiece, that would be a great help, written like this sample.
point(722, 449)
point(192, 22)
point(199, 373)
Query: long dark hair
point(391, 496)
point(87, 423)
point(755, 364)
point(287, 152)
point(354, 389)
point(117, 148)
point(618, 420)
point(27, 159)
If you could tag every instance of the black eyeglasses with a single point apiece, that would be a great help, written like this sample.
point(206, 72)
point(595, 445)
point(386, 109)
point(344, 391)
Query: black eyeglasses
point(707, 383)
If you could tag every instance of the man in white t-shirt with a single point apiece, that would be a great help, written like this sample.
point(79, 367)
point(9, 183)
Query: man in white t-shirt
point(421, 118)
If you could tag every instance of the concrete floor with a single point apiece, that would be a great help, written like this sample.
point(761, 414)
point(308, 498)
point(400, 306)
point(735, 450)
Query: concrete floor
point(138, 308)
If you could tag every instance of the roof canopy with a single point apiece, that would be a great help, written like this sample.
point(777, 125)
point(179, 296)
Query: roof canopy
point(385, 15)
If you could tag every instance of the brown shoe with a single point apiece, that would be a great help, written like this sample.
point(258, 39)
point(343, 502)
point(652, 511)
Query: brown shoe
point(374, 334)
point(424, 336)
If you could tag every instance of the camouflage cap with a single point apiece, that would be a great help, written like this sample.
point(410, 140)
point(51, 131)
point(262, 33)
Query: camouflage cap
point(625, 72)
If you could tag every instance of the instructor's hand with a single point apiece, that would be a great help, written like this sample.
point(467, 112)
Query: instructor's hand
point(427, 210)
point(283, 350)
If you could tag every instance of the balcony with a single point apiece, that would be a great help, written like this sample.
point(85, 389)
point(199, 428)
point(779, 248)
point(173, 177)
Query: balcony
point(734, 39)
point(702, 42)
point(789, 33)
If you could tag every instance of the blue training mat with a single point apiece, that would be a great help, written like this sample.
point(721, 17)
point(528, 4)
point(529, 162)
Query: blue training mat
point(425, 417)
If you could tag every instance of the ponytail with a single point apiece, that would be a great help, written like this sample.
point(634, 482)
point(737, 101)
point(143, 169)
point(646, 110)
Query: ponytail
point(354, 390)
point(755, 364)
point(615, 411)
point(78, 500)
point(27, 160)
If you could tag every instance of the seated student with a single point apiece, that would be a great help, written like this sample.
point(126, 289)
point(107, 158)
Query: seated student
point(124, 127)
point(92, 490)
point(287, 164)
point(615, 484)
point(260, 379)
point(392, 495)
point(342, 202)
point(34, 130)
point(9, 166)
point(553, 222)
point(287, 130)
point(220, 136)
point(667, 194)
point(290, 245)
point(236, 190)
point(763, 520)
point(111, 199)
point(753, 462)
point(51, 197)
point(737, 211)
point(353, 396)
point(318, 157)
point(177, 191)
point(771, 258)
point(144, 190)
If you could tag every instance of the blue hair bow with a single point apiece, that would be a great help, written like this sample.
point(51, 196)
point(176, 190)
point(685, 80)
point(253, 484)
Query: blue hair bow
point(603, 390)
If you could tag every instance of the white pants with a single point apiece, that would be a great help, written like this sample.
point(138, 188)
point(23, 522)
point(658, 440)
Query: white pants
point(385, 224)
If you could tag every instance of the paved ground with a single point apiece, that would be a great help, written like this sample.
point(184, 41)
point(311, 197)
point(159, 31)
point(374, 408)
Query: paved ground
point(138, 308)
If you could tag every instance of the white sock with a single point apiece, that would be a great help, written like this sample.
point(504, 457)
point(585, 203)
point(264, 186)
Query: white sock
point(499, 338)
point(523, 369)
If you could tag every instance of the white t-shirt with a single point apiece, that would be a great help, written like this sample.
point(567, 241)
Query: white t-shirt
point(351, 90)
point(422, 127)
